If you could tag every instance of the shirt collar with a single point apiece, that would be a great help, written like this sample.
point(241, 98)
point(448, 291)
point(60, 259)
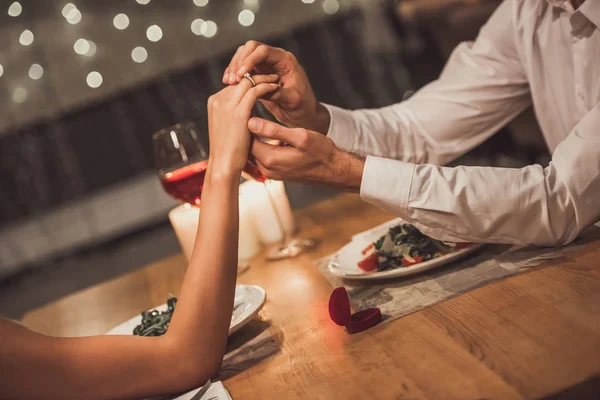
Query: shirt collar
point(564, 4)
point(590, 9)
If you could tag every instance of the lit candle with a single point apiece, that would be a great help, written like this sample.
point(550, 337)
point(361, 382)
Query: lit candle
point(184, 219)
point(265, 219)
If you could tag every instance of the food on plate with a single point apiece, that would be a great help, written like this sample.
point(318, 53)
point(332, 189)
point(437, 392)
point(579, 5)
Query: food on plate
point(402, 246)
point(154, 322)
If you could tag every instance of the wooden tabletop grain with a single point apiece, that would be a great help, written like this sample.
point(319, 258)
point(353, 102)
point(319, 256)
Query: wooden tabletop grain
point(528, 336)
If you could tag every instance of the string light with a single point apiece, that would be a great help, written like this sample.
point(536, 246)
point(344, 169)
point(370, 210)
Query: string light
point(331, 6)
point(36, 71)
point(94, 79)
point(139, 54)
point(246, 18)
point(26, 37)
point(73, 16)
point(201, 3)
point(67, 9)
point(154, 33)
point(211, 29)
point(198, 27)
point(92, 49)
point(15, 9)
point(121, 21)
point(19, 95)
point(81, 46)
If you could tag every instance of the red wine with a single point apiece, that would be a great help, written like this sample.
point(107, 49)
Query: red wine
point(186, 183)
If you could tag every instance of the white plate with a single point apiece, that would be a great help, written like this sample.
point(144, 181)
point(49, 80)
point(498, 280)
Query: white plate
point(345, 263)
point(249, 299)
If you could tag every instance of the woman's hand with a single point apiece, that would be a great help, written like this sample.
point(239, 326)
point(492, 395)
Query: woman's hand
point(228, 114)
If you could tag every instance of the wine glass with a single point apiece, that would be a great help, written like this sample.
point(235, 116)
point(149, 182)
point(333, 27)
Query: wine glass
point(289, 247)
point(182, 159)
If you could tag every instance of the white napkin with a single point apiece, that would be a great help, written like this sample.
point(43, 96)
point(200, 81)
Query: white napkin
point(216, 390)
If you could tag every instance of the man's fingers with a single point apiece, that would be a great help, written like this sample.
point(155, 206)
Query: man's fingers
point(229, 74)
point(262, 54)
point(249, 47)
point(276, 162)
point(271, 130)
point(268, 78)
point(269, 156)
point(270, 174)
point(285, 97)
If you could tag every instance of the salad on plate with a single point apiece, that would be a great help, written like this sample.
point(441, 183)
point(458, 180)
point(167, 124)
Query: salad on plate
point(403, 246)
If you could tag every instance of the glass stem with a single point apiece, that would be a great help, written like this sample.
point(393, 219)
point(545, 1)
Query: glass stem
point(284, 234)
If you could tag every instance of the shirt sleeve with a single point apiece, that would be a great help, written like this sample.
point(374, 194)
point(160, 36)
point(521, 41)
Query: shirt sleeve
point(482, 88)
point(531, 205)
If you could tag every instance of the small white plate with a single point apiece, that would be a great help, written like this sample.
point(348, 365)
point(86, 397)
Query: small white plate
point(249, 300)
point(345, 263)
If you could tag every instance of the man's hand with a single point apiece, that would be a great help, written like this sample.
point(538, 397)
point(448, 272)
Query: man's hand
point(294, 103)
point(308, 157)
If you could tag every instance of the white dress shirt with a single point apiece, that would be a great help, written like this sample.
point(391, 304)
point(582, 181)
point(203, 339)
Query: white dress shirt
point(536, 51)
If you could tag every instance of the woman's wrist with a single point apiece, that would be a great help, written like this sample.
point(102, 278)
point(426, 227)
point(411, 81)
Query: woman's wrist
point(222, 171)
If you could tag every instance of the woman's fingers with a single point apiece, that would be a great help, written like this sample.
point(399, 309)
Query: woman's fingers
point(255, 93)
point(245, 85)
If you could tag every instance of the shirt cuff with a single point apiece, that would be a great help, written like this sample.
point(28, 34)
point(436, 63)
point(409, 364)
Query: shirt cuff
point(386, 184)
point(342, 128)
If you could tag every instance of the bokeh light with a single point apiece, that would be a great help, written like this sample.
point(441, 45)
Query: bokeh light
point(19, 95)
point(26, 37)
point(94, 79)
point(15, 9)
point(331, 6)
point(36, 71)
point(121, 21)
point(198, 27)
point(246, 18)
point(154, 33)
point(139, 54)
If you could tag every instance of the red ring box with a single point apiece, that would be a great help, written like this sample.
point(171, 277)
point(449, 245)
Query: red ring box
point(340, 313)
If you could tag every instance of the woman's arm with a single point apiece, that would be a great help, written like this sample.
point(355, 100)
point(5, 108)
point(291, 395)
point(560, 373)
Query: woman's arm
point(35, 366)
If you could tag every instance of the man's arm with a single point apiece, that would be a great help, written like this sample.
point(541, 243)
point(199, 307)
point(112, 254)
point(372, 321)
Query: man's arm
point(482, 88)
point(531, 205)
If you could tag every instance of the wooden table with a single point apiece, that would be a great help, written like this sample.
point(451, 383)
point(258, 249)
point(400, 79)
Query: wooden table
point(525, 337)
